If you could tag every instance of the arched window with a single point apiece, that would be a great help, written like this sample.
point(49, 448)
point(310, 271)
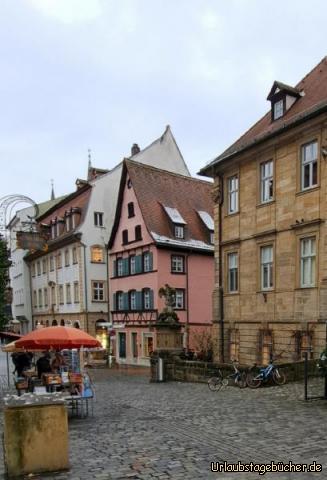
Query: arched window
point(54, 323)
point(76, 325)
point(97, 255)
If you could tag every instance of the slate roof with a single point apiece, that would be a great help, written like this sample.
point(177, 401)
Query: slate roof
point(312, 102)
point(156, 189)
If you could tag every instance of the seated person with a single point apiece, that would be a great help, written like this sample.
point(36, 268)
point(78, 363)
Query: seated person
point(57, 363)
point(43, 365)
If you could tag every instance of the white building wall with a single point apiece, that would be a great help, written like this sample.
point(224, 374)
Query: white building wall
point(19, 272)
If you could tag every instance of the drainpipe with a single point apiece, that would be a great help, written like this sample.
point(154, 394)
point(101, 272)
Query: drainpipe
point(85, 288)
point(108, 291)
point(220, 272)
point(187, 326)
point(31, 292)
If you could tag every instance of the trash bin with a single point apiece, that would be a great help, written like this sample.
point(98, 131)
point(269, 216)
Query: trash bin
point(35, 438)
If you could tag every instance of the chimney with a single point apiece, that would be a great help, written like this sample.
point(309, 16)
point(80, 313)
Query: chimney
point(135, 149)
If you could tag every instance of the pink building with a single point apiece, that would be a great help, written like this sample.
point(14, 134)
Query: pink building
point(162, 234)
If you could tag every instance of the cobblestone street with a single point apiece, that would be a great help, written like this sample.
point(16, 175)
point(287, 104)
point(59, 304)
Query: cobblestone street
point(142, 430)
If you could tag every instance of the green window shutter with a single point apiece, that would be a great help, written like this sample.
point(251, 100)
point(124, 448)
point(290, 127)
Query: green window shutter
point(139, 302)
point(114, 302)
point(151, 300)
point(151, 260)
point(138, 264)
point(114, 273)
point(126, 266)
point(125, 301)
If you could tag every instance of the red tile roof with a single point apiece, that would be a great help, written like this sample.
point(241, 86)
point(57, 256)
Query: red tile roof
point(314, 86)
point(155, 188)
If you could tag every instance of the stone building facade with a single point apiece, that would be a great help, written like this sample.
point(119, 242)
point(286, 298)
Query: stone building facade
point(270, 214)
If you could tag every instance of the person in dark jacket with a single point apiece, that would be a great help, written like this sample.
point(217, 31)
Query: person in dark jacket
point(43, 365)
point(22, 361)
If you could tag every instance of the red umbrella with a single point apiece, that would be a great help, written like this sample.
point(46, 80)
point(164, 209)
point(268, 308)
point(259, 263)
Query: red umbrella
point(57, 338)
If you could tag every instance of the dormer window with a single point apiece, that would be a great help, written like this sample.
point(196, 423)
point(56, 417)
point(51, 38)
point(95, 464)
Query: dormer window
point(179, 231)
point(282, 97)
point(209, 224)
point(278, 109)
point(177, 221)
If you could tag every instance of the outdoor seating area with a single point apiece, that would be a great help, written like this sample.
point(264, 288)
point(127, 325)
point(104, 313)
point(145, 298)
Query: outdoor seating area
point(50, 362)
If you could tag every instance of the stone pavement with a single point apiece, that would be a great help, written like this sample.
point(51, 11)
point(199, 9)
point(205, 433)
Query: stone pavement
point(143, 430)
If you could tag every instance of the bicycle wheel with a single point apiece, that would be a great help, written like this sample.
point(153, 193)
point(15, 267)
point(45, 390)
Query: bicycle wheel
point(253, 380)
point(241, 380)
point(215, 384)
point(225, 382)
point(279, 377)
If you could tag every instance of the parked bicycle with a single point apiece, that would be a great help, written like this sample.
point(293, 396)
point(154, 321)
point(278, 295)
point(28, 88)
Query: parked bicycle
point(254, 378)
point(238, 377)
point(218, 381)
point(215, 383)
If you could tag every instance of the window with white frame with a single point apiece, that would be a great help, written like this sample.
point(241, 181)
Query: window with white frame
point(232, 264)
point(309, 165)
point(53, 295)
point(51, 263)
point(120, 300)
point(98, 291)
point(266, 258)
point(120, 267)
point(179, 299)
point(146, 299)
point(35, 298)
point(177, 264)
point(33, 269)
point(146, 262)
point(40, 298)
point(76, 292)
point(232, 184)
point(308, 262)
point(38, 267)
point(58, 229)
point(98, 219)
point(68, 293)
point(179, 231)
point(45, 296)
point(132, 300)
point(74, 255)
point(278, 109)
point(132, 263)
point(59, 260)
point(267, 181)
point(67, 223)
point(61, 294)
point(44, 266)
point(67, 258)
point(53, 231)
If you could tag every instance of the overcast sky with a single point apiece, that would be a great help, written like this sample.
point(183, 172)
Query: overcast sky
point(103, 74)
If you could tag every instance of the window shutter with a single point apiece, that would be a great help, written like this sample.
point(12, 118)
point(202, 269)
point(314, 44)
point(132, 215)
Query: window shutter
point(125, 301)
point(151, 298)
point(151, 260)
point(114, 273)
point(138, 264)
point(126, 266)
point(139, 302)
point(114, 302)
